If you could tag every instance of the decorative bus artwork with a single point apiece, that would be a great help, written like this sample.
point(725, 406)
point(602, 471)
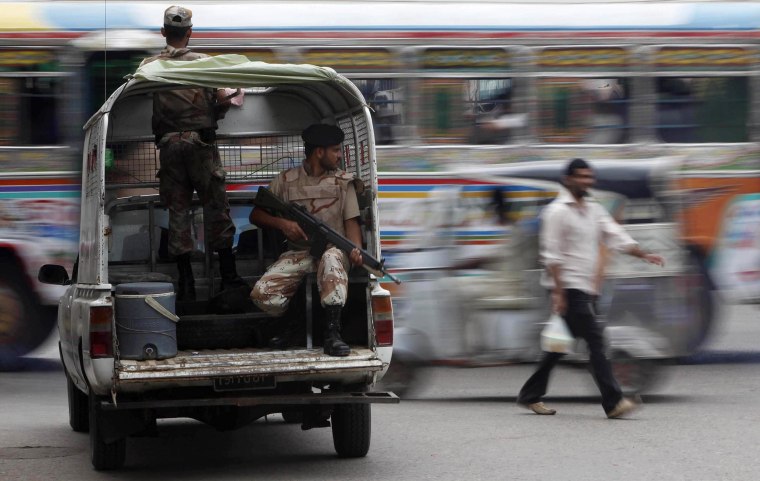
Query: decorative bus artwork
point(484, 86)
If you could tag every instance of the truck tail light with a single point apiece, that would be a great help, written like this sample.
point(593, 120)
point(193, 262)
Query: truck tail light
point(101, 334)
point(382, 318)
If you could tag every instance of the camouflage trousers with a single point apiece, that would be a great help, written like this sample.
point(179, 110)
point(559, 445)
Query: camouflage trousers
point(188, 164)
point(272, 293)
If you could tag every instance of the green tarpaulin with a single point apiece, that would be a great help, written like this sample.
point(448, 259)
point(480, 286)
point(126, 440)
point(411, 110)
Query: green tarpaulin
point(233, 71)
point(236, 71)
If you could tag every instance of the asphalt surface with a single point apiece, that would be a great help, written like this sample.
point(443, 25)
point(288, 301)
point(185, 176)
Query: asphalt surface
point(699, 424)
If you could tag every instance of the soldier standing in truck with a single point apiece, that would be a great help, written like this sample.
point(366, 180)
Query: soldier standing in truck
point(184, 124)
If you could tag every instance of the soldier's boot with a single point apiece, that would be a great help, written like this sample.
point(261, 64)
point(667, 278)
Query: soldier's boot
point(228, 270)
point(287, 337)
point(333, 344)
point(185, 281)
point(289, 334)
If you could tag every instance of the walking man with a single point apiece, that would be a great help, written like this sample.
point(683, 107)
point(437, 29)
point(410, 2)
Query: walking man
point(572, 228)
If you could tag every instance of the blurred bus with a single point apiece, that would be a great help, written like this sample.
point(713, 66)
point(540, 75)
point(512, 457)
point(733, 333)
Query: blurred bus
point(53, 76)
point(452, 85)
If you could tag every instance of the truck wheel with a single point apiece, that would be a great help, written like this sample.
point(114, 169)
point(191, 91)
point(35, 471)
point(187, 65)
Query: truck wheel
point(104, 455)
point(79, 408)
point(351, 429)
point(23, 324)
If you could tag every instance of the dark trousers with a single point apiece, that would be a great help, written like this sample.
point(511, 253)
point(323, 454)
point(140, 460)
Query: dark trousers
point(188, 167)
point(582, 323)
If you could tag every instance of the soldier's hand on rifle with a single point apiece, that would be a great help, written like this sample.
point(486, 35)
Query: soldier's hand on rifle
point(292, 230)
point(356, 257)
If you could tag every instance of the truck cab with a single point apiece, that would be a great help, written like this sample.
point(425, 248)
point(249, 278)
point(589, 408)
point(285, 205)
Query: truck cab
point(221, 370)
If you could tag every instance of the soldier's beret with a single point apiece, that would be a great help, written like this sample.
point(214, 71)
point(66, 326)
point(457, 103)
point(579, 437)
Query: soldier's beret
point(322, 135)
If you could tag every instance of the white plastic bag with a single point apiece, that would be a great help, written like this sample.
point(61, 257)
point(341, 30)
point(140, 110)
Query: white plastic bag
point(556, 337)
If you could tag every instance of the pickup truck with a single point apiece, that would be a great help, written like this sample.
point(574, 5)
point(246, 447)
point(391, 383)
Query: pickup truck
point(221, 370)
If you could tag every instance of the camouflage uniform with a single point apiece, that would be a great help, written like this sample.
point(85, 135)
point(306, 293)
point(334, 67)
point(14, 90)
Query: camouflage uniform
point(332, 199)
point(184, 124)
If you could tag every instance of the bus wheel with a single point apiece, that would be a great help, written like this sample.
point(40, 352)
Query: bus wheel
point(634, 375)
point(701, 302)
point(351, 429)
point(23, 325)
point(105, 453)
point(705, 319)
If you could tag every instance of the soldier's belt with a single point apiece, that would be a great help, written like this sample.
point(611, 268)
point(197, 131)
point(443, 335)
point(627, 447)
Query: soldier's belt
point(189, 136)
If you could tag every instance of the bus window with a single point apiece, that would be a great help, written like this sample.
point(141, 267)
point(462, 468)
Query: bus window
point(589, 110)
point(29, 111)
point(30, 91)
point(106, 73)
point(386, 97)
point(706, 109)
point(474, 111)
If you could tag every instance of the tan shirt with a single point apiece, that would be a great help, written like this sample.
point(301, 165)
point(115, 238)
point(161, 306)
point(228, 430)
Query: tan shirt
point(330, 197)
point(182, 110)
point(570, 237)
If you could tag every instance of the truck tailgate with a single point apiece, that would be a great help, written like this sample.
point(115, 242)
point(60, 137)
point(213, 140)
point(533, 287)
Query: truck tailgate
point(205, 364)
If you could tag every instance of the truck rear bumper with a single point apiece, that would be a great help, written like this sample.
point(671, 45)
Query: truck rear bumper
point(201, 367)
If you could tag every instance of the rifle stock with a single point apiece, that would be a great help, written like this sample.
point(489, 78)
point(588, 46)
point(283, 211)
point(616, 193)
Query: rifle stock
point(320, 234)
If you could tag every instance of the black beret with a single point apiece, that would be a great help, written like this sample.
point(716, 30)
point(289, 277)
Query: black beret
point(322, 135)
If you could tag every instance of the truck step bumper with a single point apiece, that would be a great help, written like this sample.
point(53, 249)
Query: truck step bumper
point(208, 364)
point(252, 399)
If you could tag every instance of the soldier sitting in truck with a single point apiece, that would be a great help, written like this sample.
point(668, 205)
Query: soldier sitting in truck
point(329, 194)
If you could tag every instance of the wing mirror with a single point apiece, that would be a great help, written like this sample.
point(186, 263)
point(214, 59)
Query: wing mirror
point(53, 274)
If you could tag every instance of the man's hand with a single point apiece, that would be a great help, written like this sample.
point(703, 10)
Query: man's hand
point(356, 257)
point(559, 301)
point(654, 259)
point(636, 251)
point(292, 230)
point(225, 96)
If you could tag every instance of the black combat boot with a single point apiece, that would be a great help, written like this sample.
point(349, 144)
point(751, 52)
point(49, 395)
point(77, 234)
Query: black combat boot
point(333, 344)
point(185, 281)
point(290, 331)
point(287, 337)
point(228, 270)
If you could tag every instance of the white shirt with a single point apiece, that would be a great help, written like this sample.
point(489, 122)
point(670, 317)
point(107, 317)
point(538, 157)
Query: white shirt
point(570, 238)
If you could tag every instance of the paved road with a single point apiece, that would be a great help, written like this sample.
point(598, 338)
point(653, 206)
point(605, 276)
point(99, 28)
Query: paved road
point(701, 424)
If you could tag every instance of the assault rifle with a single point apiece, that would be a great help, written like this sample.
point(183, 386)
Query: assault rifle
point(319, 233)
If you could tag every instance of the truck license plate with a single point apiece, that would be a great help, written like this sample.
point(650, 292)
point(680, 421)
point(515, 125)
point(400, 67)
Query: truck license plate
point(246, 381)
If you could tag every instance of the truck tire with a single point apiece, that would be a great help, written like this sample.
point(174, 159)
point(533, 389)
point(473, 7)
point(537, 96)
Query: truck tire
point(351, 429)
point(104, 455)
point(79, 408)
point(24, 324)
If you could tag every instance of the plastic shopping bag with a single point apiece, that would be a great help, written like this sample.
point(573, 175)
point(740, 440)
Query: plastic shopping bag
point(556, 337)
